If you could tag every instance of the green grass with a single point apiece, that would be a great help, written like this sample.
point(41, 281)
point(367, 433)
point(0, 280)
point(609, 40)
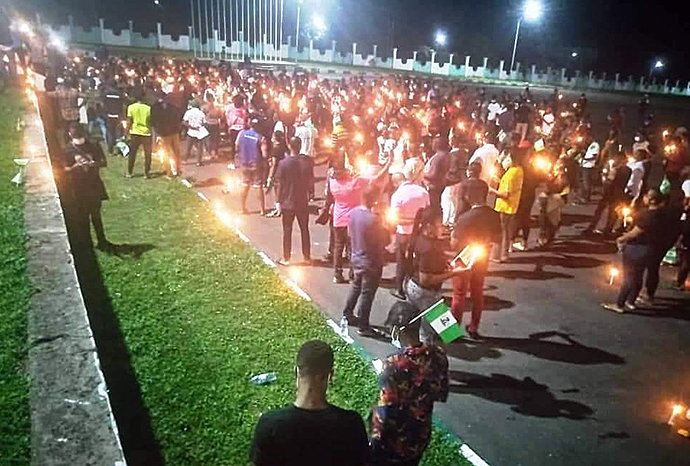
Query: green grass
point(201, 313)
point(15, 291)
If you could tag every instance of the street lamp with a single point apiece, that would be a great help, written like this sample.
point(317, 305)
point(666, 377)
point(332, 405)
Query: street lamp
point(531, 11)
point(441, 38)
point(574, 54)
point(319, 24)
point(658, 65)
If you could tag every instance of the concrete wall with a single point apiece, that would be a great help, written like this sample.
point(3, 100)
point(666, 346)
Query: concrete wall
point(214, 48)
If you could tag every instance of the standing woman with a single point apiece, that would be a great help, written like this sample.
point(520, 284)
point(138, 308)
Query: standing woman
point(507, 202)
point(214, 115)
point(236, 116)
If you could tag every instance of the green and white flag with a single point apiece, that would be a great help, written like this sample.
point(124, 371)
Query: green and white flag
point(442, 321)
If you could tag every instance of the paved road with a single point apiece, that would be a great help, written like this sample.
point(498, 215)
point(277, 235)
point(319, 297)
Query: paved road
point(557, 380)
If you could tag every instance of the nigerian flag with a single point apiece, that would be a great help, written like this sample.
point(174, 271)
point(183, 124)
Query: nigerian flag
point(443, 322)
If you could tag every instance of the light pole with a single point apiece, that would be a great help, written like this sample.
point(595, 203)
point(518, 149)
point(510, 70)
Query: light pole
point(299, 12)
point(531, 11)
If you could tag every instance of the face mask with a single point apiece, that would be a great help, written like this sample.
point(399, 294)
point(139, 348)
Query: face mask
point(78, 141)
point(395, 338)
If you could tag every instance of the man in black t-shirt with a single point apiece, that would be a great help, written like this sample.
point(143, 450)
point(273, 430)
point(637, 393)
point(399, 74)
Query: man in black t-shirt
point(311, 432)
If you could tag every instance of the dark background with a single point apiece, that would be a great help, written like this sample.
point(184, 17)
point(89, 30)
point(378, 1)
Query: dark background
point(609, 36)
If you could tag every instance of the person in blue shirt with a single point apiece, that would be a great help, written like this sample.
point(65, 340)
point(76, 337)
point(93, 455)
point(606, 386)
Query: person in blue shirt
point(369, 239)
point(250, 147)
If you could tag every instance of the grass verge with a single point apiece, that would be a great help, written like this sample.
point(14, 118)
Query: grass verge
point(15, 291)
point(201, 313)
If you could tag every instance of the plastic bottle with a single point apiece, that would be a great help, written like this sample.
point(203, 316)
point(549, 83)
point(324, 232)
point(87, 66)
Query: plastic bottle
point(343, 326)
point(264, 379)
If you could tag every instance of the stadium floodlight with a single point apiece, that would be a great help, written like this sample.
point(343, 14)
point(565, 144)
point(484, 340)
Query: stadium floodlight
point(319, 23)
point(659, 64)
point(531, 11)
point(441, 38)
point(574, 54)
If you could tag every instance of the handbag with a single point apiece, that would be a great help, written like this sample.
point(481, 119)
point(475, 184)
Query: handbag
point(325, 215)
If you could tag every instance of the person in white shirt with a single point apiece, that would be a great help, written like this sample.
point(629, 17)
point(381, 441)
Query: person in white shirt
point(195, 120)
point(307, 134)
point(548, 121)
point(487, 156)
point(494, 109)
point(634, 187)
point(588, 166)
point(405, 202)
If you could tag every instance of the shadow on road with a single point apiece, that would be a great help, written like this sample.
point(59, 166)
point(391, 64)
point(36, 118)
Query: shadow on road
point(537, 274)
point(537, 345)
point(665, 308)
point(562, 260)
point(525, 396)
point(582, 247)
point(133, 250)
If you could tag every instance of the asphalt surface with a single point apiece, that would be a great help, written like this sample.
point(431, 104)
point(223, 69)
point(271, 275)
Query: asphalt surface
point(556, 380)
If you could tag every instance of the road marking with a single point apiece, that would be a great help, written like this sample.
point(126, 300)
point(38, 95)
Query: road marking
point(201, 195)
point(267, 260)
point(471, 456)
point(297, 289)
point(186, 183)
point(336, 328)
point(242, 236)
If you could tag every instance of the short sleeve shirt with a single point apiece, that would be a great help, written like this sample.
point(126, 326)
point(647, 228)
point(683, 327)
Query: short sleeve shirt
point(511, 184)
point(347, 195)
point(293, 436)
point(141, 116)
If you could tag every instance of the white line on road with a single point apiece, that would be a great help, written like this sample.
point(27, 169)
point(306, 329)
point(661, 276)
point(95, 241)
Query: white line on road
point(201, 195)
point(471, 456)
point(336, 328)
point(186, 183)
point(297, 289)
point(267, 260)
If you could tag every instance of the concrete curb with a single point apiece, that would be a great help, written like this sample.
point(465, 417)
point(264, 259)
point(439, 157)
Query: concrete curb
point(72, 422)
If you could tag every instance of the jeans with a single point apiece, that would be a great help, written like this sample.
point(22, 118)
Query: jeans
point(683, 266)
point(651, 283)
point(303, 221)
point(172, 146)
point(113, 126)
point(635, 258)
point(98, 121)
point(364, 286)
point(587, 181)
point(134, 147)
point(342, 242)
point(199, 144)
point(402, 243)
point(523, 218)
point(507, 232)
point(474, 280)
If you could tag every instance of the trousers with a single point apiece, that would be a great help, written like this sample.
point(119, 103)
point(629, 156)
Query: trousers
point(303, 222)
point(137, 141)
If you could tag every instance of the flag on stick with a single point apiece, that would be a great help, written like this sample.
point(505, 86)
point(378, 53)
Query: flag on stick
point(442, 321)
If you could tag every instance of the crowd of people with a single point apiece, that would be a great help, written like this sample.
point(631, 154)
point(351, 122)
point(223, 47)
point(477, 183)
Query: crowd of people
point(431, 167)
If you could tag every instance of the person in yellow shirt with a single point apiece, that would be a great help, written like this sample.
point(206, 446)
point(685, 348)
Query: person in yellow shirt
point(507, 201)
point(139, 123)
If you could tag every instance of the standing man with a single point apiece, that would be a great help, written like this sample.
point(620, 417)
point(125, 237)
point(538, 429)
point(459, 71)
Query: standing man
point(405, 203)
point(588, 166)
point(236, 117)
point(472, 191)
point(251, 149)
point(436, 170)
point(295, 180)
point(166, 119)
point(195, 121)
point(86, 192)
point(307, 134)
point(311, 431)
point(487, 156)
point(114, 105)
point(613, 194)
point(478, 226)
point(139, 122)
point(369, 239)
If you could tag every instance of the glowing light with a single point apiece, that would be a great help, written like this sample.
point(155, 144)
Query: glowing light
point(613, 274)
point(161, 155)
point(532, 10)
point(626, 211)
point(670, 148)
point(6, 59)
point(392, 216)
point(574, 104)
point(543, 164)
point(461, 126)
point(327, 142)
point(77, 60)
point(370, 111)
point(362, 166)
point(319, 23)
point(477, 252)
point(295, 274)
point(665, 133)
point(441, 38)
point(659, 64)
point(170, 62)
point(359, 137)
point(406, 136)
point(675, 411)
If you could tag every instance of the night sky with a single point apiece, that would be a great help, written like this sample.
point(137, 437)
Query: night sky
point(627, 36)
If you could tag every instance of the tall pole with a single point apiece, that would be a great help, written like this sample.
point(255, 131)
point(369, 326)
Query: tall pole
point(271, 26)
point(299, 11)
point(201, 44)
point(255, 32)
point(191, 7)
point(225, 28)
point(262, 28)
point(517, 34)
point(213, 30)
point(237, 19)
point(280, 45)
point(208, 42)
